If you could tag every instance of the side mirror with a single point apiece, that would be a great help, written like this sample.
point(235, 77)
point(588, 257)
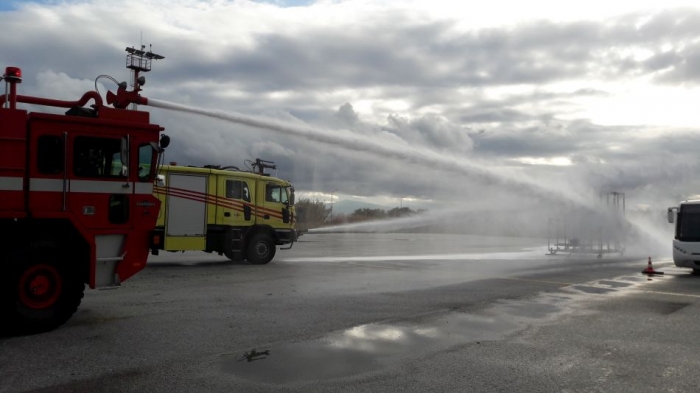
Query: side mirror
point(670, 215)
point(124, 156)
point(160, 146)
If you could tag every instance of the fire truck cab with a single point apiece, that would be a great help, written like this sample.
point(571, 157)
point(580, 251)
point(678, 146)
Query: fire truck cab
point(76, 203)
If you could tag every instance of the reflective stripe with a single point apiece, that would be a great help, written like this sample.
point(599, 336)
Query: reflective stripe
point(46, 185)
point(11, 183)
point(100, 187)
point(87, 186)
point(144, 188)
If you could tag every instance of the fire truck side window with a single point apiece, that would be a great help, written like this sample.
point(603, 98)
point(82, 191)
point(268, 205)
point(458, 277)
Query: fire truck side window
point(97, 157)
point(50, 154)
point(275, 193)
point(237, 189)
point(145, 161)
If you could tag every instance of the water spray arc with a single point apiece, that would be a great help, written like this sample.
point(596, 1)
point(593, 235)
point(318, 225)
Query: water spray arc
point(384, 148)
point(401, 223)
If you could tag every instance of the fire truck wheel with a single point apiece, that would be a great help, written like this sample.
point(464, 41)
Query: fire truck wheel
point(261, 249)
point(233, 255)
point(43, 296)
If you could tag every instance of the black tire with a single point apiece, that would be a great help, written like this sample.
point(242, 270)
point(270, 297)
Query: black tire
point(39, 296)
point(261, 249)
point(234, 256)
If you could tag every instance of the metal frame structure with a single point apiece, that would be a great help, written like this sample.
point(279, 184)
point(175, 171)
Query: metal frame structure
point(599, 233)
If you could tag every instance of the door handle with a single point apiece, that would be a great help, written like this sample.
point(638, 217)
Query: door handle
point(227, 214)
point(266, 216)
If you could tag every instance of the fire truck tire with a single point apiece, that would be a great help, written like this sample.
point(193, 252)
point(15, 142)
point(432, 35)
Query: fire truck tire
point(42, 296)
point(261, 249)
point(234, 256)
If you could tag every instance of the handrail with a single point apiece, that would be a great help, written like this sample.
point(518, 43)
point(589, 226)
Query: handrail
point(90, 95)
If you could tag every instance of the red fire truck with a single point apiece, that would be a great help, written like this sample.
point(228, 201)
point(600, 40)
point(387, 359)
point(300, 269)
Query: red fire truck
point(76, 201)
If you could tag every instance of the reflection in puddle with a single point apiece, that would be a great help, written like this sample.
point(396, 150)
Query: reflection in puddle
point(449, 330)
point(366, 348)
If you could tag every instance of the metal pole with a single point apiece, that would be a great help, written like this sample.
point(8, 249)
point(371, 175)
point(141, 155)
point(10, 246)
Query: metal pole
point(332, 192)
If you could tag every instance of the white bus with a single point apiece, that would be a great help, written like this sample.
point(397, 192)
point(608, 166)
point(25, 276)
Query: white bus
point(686, 241)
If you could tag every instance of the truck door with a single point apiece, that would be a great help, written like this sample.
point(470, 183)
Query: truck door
point(235, 209)
point(275, 211)
point(81, 174)
point(186, 212)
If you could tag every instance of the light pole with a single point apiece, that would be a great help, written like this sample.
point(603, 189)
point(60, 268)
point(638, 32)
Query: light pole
point(332, 192)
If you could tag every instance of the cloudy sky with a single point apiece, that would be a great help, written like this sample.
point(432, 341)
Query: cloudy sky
point(464, 101)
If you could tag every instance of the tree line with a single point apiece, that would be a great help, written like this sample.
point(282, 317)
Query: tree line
point(314, 214)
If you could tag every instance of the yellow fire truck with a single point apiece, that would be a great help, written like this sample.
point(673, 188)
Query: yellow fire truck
point(244, 215)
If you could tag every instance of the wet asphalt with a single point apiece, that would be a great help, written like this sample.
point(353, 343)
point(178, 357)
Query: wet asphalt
point(369, 312)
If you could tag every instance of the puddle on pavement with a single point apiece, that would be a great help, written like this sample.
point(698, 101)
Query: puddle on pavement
point(591, 289)
point(367, 348)
point(614, 284)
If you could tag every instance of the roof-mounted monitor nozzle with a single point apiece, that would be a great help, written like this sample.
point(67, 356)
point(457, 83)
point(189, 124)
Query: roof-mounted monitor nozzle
point(137, 60)
point(259, 166)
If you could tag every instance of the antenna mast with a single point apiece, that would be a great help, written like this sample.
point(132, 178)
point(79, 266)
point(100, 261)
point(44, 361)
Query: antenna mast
point(138, 60)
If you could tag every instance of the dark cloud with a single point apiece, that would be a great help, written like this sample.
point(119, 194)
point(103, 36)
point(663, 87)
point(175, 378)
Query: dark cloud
point(682, 66)
point(397, 53)
point(431, 131)
point(488, 115)
point(346, 114)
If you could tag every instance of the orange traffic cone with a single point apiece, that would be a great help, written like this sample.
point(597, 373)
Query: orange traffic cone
point(650, 269)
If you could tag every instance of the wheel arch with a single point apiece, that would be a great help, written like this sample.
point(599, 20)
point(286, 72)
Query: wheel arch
point(34, 238)
point(45, 275)
point(258, 229)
